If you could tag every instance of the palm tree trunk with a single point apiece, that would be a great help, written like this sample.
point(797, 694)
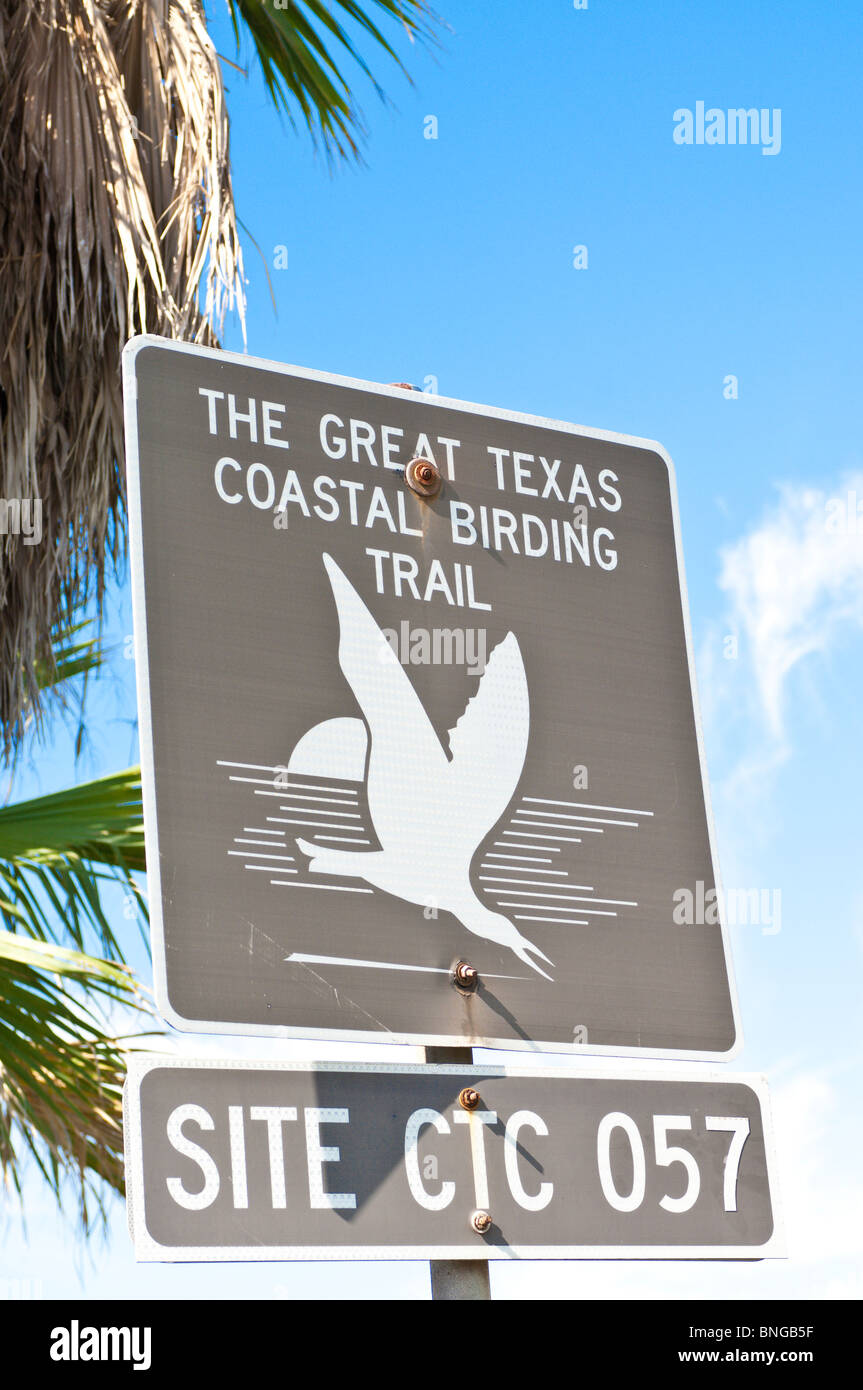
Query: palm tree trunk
point(115, 208)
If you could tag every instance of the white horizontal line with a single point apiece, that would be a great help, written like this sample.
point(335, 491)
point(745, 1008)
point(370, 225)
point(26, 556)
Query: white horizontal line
point(614, 902)
point(549, 906)
point(319, 787)
point(552, 849)
point(253, 854)
point(517, 869)
point(561, 921)
point(253, 767)
point(298, 796)
point(537, 883)
point(351, 789)
point(327, 887)
point(385, 965)
point(313, 811)
point(269, 780)
point(564, 815)
point(561, 897)
point(280, 768)
point(271, 869)
point(324, 824)
point(586, 805)
point(262, 830)
point(280, 820)
point(291, 787)
point(521, 827)
point(274, 844)
point(342, 839)
point(610, 902)
point(570, 839)
point(520, 858)
point(353, 829)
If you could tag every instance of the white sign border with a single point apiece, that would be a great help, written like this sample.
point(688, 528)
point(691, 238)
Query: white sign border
point(149, 1250)
point(151, 839)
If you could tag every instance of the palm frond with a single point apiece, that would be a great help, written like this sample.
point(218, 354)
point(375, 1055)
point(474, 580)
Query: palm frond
point(61, 1071)
point(50, 887)
point(70, 657)
point(63, 677)
point(304, 76)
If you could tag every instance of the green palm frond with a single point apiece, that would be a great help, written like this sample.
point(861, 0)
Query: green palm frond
point(62, 676)
point(58, 851)
point(61, 1070)
point(70, 657)
point(61, 1067)
point(98, 821)
point(302, 46)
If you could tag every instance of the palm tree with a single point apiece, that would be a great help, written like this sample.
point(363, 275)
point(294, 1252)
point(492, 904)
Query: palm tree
point(61, 1065)
point(117, 216)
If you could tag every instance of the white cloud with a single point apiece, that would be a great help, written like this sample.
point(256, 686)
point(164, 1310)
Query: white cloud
point(793, 583)
point(820, 1191)
point(793, 592)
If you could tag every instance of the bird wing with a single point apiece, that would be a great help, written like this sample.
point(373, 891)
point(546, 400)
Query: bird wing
point(489, 742)
point(406, 753)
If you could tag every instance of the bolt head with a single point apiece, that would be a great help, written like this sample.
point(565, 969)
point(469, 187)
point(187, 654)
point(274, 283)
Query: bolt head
point(466, 975)
point(481, 1221)
point(468, 1098)
point(423, 476)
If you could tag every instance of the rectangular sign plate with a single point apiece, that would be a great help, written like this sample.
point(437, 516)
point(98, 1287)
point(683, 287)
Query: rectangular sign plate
point(382, 733)
point(268, 1161)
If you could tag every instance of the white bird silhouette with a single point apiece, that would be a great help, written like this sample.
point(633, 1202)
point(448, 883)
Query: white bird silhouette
point(430, 812)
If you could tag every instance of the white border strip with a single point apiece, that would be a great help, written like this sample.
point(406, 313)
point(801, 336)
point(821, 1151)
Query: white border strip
point(151, 837)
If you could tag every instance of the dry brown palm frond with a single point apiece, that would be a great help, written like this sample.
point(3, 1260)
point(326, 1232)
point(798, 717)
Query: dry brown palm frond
point(115, 210)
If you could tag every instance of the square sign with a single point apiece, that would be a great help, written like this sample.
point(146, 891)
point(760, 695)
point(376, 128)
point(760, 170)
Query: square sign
point(383, 732)
point(270, 1161)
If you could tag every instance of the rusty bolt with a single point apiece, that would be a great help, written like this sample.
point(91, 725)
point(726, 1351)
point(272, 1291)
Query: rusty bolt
point(468, 1099)
point(405, 385)
point(423, 476)
point(481, 1221)
point(465, 975)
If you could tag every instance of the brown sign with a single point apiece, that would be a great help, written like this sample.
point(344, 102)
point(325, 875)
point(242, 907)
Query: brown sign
point(261, 1161)
point(388, 727)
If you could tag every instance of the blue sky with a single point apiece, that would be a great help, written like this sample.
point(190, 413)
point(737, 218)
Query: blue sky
point(453, 258)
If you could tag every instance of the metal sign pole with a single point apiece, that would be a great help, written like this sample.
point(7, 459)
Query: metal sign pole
point(453, 1280)
point(457, 1280)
